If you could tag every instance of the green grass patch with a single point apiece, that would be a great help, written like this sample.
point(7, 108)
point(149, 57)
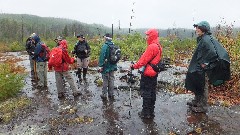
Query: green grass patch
point(10, 82)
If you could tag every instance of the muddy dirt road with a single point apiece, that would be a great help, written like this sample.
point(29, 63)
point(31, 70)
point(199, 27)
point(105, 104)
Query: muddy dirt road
point(88, 114)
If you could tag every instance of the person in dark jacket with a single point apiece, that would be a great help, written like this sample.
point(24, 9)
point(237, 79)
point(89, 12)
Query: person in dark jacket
point(30, 47)
point(40, 61)
point(61, 71)
point(204, 56)
point(82, 51)
point(107, 69)
point(148, 80)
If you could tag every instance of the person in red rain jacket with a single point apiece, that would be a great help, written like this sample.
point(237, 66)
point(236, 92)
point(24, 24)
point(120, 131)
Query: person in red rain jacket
point(61, 72)
point(148, 80)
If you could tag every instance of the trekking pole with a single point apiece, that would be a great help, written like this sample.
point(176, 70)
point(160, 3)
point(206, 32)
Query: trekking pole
point(35, 70)
point(117, 91)
point(130, 89)
point(130, 99)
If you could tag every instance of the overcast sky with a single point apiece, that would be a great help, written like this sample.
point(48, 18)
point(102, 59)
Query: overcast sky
point(147, 13)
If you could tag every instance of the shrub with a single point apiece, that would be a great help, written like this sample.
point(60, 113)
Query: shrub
point(16, 46)
point(10, 82)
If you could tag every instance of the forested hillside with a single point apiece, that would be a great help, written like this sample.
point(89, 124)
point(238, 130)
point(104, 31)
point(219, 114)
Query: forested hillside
point(16, 27)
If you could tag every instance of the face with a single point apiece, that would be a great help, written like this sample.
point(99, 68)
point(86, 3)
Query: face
point(80, 39)
point(33, 41)
point(146, 37)
point(199, 32)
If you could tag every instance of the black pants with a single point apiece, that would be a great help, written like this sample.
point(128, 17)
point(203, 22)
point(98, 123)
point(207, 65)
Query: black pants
point(148, 92)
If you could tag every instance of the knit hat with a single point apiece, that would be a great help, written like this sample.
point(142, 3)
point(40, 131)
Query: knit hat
point(80, 36)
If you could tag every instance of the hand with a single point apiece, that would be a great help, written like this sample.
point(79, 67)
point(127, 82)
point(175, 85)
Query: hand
point(86, 51)
point(100, 70)
point(131, 67)
point(50, 70)
point(75, 60)
point(203, 66)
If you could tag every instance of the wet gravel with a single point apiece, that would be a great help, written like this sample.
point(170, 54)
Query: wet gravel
point(88, 114)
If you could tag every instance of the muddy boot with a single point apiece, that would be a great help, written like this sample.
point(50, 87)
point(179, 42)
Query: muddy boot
point(201, 106)
point(103, 97)
point(79, 74)
point(84, 74)
point(194, 101)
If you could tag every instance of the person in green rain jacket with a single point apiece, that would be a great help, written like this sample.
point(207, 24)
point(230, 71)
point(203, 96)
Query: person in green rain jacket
point(211, 58)
point(107, 69)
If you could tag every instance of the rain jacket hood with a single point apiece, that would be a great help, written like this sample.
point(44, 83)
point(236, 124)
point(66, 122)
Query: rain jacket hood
point(36, 38)
point(152, 36)
point(63, 44)
point(151, 55)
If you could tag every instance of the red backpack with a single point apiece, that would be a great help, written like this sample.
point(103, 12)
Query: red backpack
point(45, 52)
point(56, 57)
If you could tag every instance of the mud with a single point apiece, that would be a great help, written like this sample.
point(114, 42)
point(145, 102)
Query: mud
point(88, 114)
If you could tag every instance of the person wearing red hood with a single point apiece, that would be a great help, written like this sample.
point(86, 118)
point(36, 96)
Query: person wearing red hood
point(148, 82)
point(61, 71)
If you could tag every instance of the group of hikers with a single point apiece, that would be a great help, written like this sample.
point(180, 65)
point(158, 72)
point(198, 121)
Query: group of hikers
point(202, 67)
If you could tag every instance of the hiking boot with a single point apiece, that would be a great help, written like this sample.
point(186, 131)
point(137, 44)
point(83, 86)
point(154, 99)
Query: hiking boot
point(111, 98)
point(103, 97)
point(84, 79)
point(60, 95)
point(145, 116)
point(39, 86)
point(192, 103)
point(199, 109)
point(77, 93)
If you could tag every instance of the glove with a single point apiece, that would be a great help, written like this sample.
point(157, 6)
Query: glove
point(131, 67)
point(75, 60)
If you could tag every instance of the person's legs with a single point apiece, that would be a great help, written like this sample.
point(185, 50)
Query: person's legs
point(111, 85)
point(40, 73)
point(152, 87)
point(105, 78)
point(85, 67)
point(31, 67)
point(59, 84)
point(71, 82)
point(147, 98)
point(202, 96)
point(79, 69)
point(45, 74)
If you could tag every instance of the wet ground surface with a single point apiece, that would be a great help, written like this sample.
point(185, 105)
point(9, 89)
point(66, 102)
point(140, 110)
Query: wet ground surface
point(88, 114)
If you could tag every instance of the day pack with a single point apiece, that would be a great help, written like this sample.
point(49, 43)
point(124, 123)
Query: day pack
point(81, 48)
point(56, 57)
point(160, 66)
point(45, 53)
point(114, 53)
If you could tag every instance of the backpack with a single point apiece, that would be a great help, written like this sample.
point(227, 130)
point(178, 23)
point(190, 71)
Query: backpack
point(160, 66)
point(56, 58)
point(81, 48)
point(45, 53)
point(114, 53)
